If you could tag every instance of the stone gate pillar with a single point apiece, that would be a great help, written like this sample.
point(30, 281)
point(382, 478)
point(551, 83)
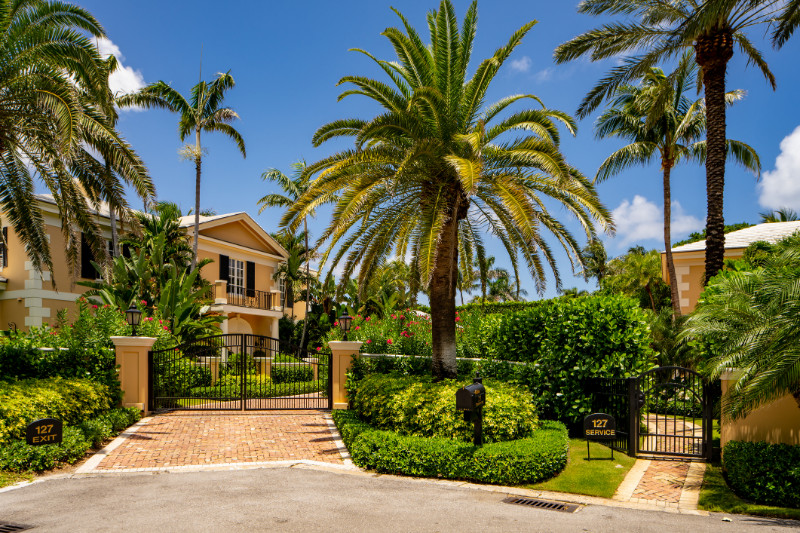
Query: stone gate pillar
point(341, 354)
point(134, 376)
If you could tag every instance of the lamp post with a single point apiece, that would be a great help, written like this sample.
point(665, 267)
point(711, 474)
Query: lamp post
point(133, 316)
point(344, 323)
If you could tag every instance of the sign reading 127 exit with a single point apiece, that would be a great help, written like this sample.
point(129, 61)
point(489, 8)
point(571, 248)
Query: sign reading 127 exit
point(44, 431)
point(599, 426)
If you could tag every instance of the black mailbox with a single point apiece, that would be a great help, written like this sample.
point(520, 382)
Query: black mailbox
point(470, 400)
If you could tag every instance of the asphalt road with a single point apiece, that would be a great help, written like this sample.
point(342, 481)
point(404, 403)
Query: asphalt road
point(289, 500)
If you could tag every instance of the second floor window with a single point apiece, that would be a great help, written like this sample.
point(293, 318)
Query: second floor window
point(236, 276)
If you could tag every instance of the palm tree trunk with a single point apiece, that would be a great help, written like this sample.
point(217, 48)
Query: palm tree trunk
point(673, 280)
point(198, 162)
point(308, 288)
point(713, 53)
point(112, 216)
point(650, 294)
point(443, 304)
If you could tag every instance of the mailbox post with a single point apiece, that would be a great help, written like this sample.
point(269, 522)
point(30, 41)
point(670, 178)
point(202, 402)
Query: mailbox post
point(470, 400)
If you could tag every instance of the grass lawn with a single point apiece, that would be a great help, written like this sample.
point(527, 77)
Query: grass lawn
point(718, 497)
point(9, 478)
point(599, 477)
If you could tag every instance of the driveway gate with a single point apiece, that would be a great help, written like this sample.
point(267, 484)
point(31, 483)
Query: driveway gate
point(663, 412)
point(237, 372)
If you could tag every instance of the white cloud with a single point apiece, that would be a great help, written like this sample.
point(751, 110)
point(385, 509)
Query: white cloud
point(522, 64)
point(642, 220)
point(781, 187)
point(125, 79)
point(544, 75)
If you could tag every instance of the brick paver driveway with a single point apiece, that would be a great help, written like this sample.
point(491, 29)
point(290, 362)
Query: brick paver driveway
point(196, 438)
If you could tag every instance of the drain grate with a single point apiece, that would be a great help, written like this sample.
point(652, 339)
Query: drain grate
point(12, 528)
point(550, 505)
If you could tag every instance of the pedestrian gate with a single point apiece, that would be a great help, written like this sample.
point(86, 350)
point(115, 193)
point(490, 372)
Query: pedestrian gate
point(663, 412)
point(237, 372)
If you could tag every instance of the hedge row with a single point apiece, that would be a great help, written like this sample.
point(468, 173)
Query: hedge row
point(521, 461)
point(69, 400)
point(496, 308)
point(16, 456)
point(263, 388)
point(417, 407)
point(764, 473)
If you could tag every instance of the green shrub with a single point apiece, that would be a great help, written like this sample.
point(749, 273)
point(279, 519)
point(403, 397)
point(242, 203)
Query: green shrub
point(290, 374)
point(528, 460)
point(764, 473)
point(418, 407)
point(568, 340)
point(69, 400)
point(257, 387)
point(175, 377)
point(17, 456)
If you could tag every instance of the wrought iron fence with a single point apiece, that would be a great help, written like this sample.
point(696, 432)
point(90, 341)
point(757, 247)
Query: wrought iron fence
point(253, 299)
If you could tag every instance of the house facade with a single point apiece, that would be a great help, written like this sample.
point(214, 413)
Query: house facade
point(244, 256)
point(690, 258)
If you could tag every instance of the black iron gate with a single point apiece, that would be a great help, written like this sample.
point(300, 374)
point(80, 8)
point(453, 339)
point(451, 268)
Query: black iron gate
point(237, 372)
point(663, 412)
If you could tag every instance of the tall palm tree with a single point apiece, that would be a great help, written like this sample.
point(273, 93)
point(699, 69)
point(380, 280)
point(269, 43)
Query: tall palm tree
point(658, 31)
point(662, 122)
point(200, 113)
point(784, 214)
point(49, 118)
point(430, 171)
point(753, 321)
point(293, 188)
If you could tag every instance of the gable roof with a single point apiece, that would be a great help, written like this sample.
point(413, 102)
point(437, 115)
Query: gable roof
point(770, 232)
point(240, 216)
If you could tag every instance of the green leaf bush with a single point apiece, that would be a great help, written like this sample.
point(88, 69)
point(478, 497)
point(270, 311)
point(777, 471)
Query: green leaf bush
point(257, 387)
point(17, 456)
point(764, 473)
point(291, 374)
point(417, 407)
point(527, 460)
point(70, 400)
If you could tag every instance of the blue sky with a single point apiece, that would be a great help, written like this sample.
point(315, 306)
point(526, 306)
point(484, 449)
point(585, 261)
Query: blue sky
point(287, 57)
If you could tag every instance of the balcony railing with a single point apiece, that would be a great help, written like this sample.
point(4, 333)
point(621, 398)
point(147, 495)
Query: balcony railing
point(254, 299)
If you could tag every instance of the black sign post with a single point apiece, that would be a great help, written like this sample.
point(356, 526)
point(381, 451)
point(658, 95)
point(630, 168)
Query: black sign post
point(599, 426)
point(44, 431)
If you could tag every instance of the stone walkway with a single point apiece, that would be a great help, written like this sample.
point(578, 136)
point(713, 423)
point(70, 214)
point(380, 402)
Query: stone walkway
point(196, 439)
point(664, 483)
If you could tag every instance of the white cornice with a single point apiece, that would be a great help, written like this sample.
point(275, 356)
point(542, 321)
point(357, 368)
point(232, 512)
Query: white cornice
point(212, 244)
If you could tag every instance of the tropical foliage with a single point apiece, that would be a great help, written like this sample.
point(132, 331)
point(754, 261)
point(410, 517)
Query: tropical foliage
point(637, 274)
point(658, 31)
point(430, 172)
point(54, 119)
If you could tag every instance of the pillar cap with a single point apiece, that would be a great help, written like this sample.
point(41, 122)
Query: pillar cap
point(345, 345)
point(144, 342)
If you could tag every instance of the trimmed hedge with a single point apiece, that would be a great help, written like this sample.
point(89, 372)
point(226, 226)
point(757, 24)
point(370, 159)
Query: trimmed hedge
point(528, 460)
point(497, 308)
point(415, 406)
point(230, 387)
point(764, 473)
point(70, 400)
point(16, 456)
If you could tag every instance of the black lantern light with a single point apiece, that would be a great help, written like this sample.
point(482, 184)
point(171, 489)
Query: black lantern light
point(344, 323)
point(133, 316)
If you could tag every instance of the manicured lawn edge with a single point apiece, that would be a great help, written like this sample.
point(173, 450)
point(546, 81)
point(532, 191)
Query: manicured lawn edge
point(507, 463)
point(716, 496)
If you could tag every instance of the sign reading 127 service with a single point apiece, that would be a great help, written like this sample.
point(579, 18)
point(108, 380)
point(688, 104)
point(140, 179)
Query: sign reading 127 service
point(599, 426)
point(44, 431)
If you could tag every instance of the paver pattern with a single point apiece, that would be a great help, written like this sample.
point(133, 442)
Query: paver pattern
point(668, 434)
point(662, 481)
point(184, 438)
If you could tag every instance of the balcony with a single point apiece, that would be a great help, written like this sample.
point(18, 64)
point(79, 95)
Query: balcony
point(249, 298)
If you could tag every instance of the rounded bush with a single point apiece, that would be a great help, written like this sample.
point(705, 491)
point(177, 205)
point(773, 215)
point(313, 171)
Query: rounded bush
point(415, 406)
point(762, 472)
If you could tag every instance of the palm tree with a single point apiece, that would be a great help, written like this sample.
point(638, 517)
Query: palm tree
point(430, 171)
point(784, 214)
point(290, 271)
point(201, 112)
point(594, 259)
point(50, 117)
point(658, 31)
point(661, 121)
point(635, 271)
point(753, 319)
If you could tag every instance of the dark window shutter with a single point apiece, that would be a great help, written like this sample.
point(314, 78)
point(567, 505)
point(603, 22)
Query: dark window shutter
point(126, 250)
point(250, 282)
point(4, 247)
point(223, 268)
point(87, 270)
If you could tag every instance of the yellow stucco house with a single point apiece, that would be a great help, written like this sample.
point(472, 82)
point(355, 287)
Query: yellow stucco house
point(690, 258)
point(245, 258)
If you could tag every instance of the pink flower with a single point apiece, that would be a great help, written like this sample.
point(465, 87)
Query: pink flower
point(369, 341)
point(53, 332)
point(358, 327)
point(105, 306)
point(359, 316)
point(143, 302)
point(319, 348)
point(149, 318)
point(160, 321)
point(394, 316)
point(367, 319)
point(388, 341)
point(336, 323)
point(166, 328)
point(458, 318)
point(402, 317)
